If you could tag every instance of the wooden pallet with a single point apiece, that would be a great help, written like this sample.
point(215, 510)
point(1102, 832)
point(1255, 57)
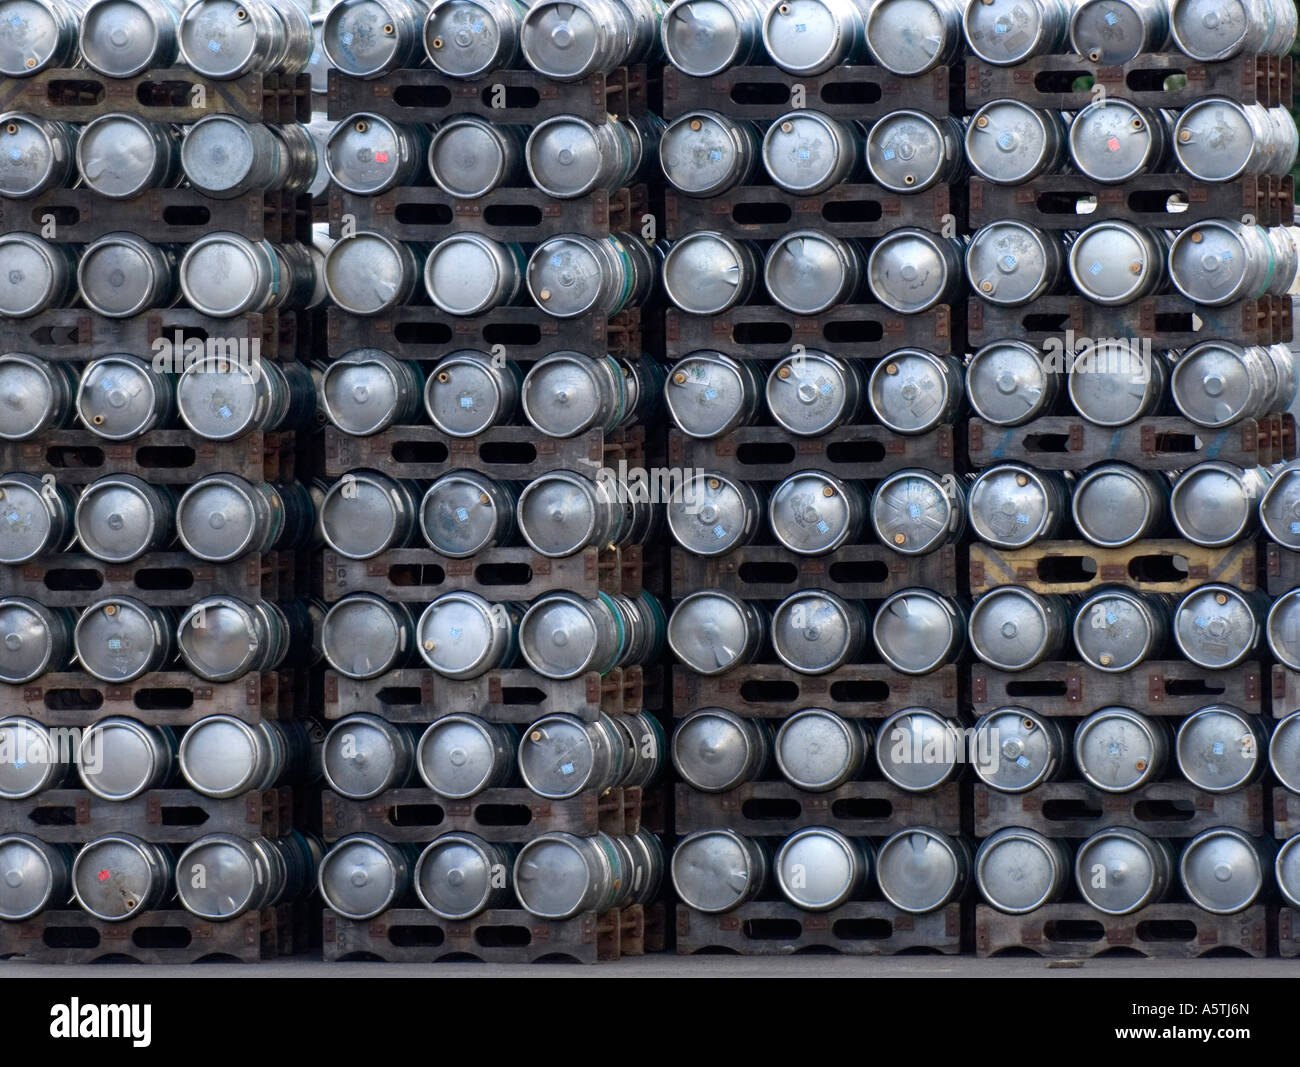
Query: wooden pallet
point(1285, 691)
point(1281, 569)
point(1288, 933)
point(1286, 812)
point(859, 690)
point(859, 928)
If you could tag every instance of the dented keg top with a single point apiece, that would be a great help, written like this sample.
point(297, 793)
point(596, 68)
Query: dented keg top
point(908, 271)
point(364, 273)
point(1212, 504)
point(464, 395)
point(913, 512)
point(218, 518)
point(811, 513)
point(30, 155)
point(1211, 384)
point(554, 873)
point(805, 270)
point(361, 515)
point(33, 36)
point(566, 274)
point(236, 874)
point(218, 152)
point(708, 514)
point(458, 516)
point(1208, 262)
point(906, 149)
point(27, 647)
point(1112, 141)
point(804, 36)
point(221, 399)
point(30, 278)
point(29, 390)
point(713, 870)
point(458, 756)
point(1017, 870)
point(360, 38)
point(1210, 30)
point(454, 877)
point(1116, 749)
point(704, 273)
point(34, 762)
point(1279, 507)
point(120, 38)
point(1008, 262)
point(361, 754)
point(1006, 140)
point(1013, 750)
point(559, 636)
point(1111, 383)
point(814, 630)
point(815, 748)
point(920, 869)
point(1009, 627)
point(708, 394)
point(127, 756)
point(802, 150)
point(1007, 382)
point(811, 393)
point(1222, 871)
point(463, 39)
point(1284, 754)
point(360, 393)
point(564, 156)
point(1112, 503)
point(219, 638)
point(117, 154)
point(907, 36)
point(560, 513)
point(219, 756)
point(713, 749)
point(557, 757)
point(28, 876)
point(702, 37)
point(363, 635)
point(467, 158)
point(1114, 630)
point(116, 517)
point(914, 629)
point(1005, 32)
point(218, 38)
point(710, 630)
point(456, 633)
point(1012, 505)
point(1215, 627)
point(1109, 32)
point(910, 391)
point(1133, 876)
point(818, 868)
point(918, 749)
point(1214, 139)
point(27, 519)
point(115, 876)
point(568, 393)
point(1113, 261)
point(1218, 748)
point(358, 878)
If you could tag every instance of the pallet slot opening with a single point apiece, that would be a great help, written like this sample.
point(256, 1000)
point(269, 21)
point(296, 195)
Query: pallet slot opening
point(1046, 322)
point(862, 929)
point(71, 457)
point(852, 211)
point(70, 937)
point(165, 94)
point(412, 575)
point(72, 92)
point(769, 691)
point(158, 578)
point(422, 96)
point(503, 815)
point(182, 815)
point(161, 937)
point(761, 214)
point(759, 93)
point(1046, 687)
point(186, 215)
point(423, 333)
point(56, 335)
point(1176, 322)
point(512, 215)
point(507, 452)
point(74, 699)
point(503, 574)
point(1063, 81)
point(1064, 809)
point(1047, 442)
point(774, 809)
point(165, 457)
point(775, 572)
point(526, 695)
point(866, 571)
point(420, 452)
point(56, 815)
point(399, 696)
point(164, 699)
point(1074, 930)
point(772, 929)
point(416, 936)
point(853, 332)
point(62, 215)
point(513, 334)
point(416, 815)
point(70, 579)
point(1064, 569)
point(863, 692)
point(1169, 201)
point(862, 808)
point(1164, 810)
point(1158, 568)
point(855, 451)
point(423, 214)
point(503, 936)
point(758, 453)
point(1166, 930)
point(1194, 687)
point(1172, 443)
point(1155, 81)
point(762, 333)
point(854, 92)
point(1065, 202)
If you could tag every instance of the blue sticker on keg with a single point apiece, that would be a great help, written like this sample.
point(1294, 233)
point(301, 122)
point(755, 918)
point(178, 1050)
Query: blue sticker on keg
point(1113, 750)
point(1226, 256)
point(719, 531)
point(1001, 27)
point(1295, 527)
point(1111, 618)
point(462, 514)
point(1095, 269)
point(826, 389)
point(566, 768)
point(710, 394)
point(15, 20)
point(821, 526)
point(115, 644)
point(801, 27)
point(455, 633)
point(467, 401)
point(1201, 622)
point(20, 763)
point(13, 518)
point(1005, 140)
point(1111, 18)
point(478, 26)
point(887, 153)
point(224, 411)
point(1217, 748)
point(914, 511)
point(804, 154)
point(1008, 262)
point(1022, 520)
point(15, 154)
point(346, 38)
point(1022, 761)
point(557, 260)
point(715, 154)
point(214, 46)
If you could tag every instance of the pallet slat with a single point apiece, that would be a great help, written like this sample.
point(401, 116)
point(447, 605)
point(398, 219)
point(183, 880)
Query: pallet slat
point(860, 928)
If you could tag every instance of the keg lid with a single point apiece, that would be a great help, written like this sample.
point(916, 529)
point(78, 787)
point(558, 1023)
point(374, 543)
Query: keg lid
point(25, 516)
point(30, 156)
point(115, 518)
point(1126, 859)
point(1110, 382)
point(33, 40)
point(701, 37)
point(116, 276)
point(1215, 627)
point(218, 152)
point(562, 39)
point(906, 149)
point(1005, 32)
point(27, 876)
point(217, 38)
point(1009, 628)
point(1218, 749)
point(566, 275)
point(224, 274)
point(360, 392)
point(813, 632)
point(553, 873)
point(713, 750)
point(709, 631)
point(818, 868)
point(362, 515)
point(816, 750)
point(805, 270)
point(32, 763)
point(907, 37)
point(1012, 750)
point(1211, 504)
point(1008, 383)
point(222, 399)
point(458, 756)
point(116, 639)
point(704, 273)
point(1017, 870)
point(358, 877)
point(364, 273)
point(564, 157)
point(709, 516)
point(703, 154)
point(557, 758)
point(1114, 630)
point(467, 158)
point(463, 39)
point(811, 513)
point(1283, 630)
point(458, 517)
point(1209, 264)
point(709, 394)
point(234, 879)
point(118, 398)
point(1287, 870)
point(1211, 384)
point(360, 756)
point(1210, 29)
point(568, 393)
point(1111, 141)
point(360, 38)
point(463, 396)
point(804, 36)
point(1008, 141)
point(559, 636)
point(217, 518)
point(219, 640)
point(27, 647)
point(456, 634)
point(713, 870)
point(559, 513)
point(118, 155)
point(1008, 262)
point(362, 636)
point(31, 278)
point(907, 270)
point(913, 513)
point(916, 630)
point(122, 38)
point(115, 877)
point(364, 154)
point(1109, 32)
point(120, 759)
point(219, 756)
point(812, 393)
point(453, 877)
point(1221, 871)
point(318, 66)
point(1011, 506)
point(1111, 261)
point(918, 749)
point(464, 276)
point(1213, 139)
point(911, 392)
point(1279, 507)
point(1112, 504)
point(920, 869)
point(803, 150)
point(1117, 750)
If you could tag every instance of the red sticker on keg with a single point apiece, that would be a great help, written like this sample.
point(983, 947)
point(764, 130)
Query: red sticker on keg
point(1113, 144)
point(105, 875)
point(381, 157)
